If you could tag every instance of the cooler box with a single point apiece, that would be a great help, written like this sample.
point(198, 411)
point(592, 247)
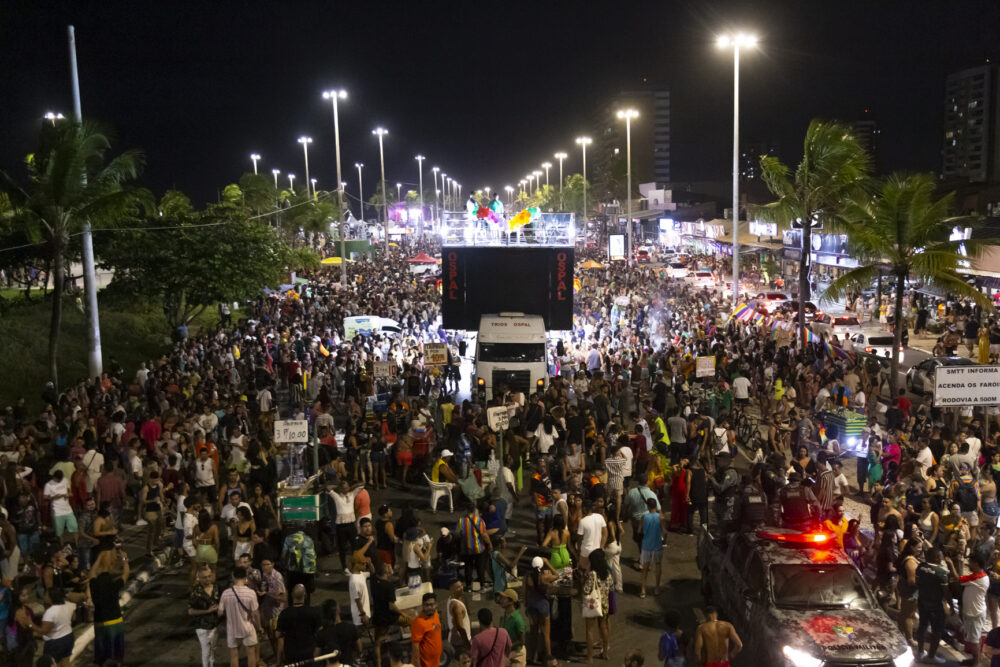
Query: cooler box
point(300, 508)
point(845, 425)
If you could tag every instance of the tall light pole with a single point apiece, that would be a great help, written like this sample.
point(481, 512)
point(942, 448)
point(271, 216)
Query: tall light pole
point(313, 182)
point(361, 195)
point(736, 42)
point(420, 185)
point(254, 157)
point(584, 142)
point(333, 96)
point(305, 141)
point(52, 117)
point(275, 172)
point(291, 183)
point(449, 194)
point(437, 205)
point(510, 192)
point(381, 132)
point(628, 115)
point(560, 156)
point(522, 183)
point(538, 178)
point(546, 166)
point(398, 195)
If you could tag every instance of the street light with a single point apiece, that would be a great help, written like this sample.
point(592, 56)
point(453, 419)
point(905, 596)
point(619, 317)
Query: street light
point(52, 117)
point(546, 166)
point(560, 156)
point(736, 42)
point(381, 132)
point(538, 178)
point(313, 181)
point(361, 196)
point(305, 141)
point(531, 183)
point(444, 191)
point(398, 196)
point(437, 205)
point(628, 115)
point(275, 172)
point(333, 96)
point(522, 183)
point(420, 185)
point(254, 157)
point(510, 192)
point(584, 142)
point(291, 183)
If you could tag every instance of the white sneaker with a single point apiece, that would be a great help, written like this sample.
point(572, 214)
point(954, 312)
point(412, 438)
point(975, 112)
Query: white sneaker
point(141, 522)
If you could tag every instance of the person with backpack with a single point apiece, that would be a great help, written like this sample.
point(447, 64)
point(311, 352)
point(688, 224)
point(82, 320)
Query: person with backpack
point(298, 556)
point(965, 492)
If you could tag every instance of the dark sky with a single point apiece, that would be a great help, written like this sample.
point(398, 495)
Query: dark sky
point(485, 90)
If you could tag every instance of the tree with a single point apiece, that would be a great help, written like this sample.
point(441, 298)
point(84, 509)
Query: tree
point(573, 195)
point(221, 254)
point(834, 168)
point(903, 228)
point(72, 179)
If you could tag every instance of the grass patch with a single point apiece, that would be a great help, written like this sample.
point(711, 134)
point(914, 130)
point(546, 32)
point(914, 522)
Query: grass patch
point(130, 333)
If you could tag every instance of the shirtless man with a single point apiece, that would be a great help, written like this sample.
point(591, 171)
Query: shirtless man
point(717, 640)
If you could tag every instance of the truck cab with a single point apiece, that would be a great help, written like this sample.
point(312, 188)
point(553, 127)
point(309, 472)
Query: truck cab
point(511, 350)
point(797, 599)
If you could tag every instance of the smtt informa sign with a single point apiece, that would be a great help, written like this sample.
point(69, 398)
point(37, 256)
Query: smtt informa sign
point(966, 385)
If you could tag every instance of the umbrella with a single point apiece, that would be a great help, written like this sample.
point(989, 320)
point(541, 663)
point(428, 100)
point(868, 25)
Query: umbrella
point(423, 258)
point(591, 264)
point(333, 260)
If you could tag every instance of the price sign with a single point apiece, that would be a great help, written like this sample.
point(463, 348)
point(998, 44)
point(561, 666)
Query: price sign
point(291, 430)
point(435, 354)
point(497, 418)
point(384, 369)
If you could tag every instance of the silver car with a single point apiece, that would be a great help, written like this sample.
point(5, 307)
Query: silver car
point(920, 377)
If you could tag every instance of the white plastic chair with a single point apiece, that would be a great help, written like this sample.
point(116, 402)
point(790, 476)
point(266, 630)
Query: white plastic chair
point(440, 490)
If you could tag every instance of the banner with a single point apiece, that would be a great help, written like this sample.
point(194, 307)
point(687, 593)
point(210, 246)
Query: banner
point(704, 367)
point(435, 354)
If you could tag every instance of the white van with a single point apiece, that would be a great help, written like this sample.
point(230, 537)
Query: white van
point(511, 350)
point(366, 325)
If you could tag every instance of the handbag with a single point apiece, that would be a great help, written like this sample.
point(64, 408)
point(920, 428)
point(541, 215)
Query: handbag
point(592, 607)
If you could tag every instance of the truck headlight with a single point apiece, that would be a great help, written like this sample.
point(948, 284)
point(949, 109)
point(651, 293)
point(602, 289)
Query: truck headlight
point(904, 659)
point(800, 658)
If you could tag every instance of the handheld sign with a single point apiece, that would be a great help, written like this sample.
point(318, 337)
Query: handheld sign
point(497, 418)
point(291, 430)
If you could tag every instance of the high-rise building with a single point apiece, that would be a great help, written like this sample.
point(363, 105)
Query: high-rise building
point(650, 134)
point(971, 151)
point(750, 154)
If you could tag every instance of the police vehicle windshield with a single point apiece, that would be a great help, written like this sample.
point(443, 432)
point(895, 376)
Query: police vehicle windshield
point(818, 587)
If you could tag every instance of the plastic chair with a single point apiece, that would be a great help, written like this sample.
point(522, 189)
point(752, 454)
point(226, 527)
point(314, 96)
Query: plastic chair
point(440, 490)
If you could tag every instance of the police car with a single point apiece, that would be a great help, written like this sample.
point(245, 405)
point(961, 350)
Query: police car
point(796, 599)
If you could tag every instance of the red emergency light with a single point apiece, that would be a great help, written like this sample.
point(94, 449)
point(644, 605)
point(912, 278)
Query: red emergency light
point(811, 538)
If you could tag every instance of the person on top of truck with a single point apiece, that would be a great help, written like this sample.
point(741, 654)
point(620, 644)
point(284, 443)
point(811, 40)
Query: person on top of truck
point(725, 482)
point(799, 507)
point(751, 506)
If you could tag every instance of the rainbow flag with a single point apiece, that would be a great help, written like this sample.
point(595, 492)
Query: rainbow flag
point(322, 350)
point(740, 311)
point(810, 336)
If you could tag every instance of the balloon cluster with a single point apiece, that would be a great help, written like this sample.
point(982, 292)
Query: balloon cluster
point(519, 220)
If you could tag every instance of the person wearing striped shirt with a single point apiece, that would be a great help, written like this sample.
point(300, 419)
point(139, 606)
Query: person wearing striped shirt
point(615, 465)
point(471, 532)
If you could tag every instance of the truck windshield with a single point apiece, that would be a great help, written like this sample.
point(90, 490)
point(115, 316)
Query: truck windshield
point(512, 352)
point(818, 587)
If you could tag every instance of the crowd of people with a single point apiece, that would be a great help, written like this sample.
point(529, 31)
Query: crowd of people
point(626, 443)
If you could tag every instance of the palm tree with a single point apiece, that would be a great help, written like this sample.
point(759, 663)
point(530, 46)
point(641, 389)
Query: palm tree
point(904, 229)
point(72, 180)
point(834, 167)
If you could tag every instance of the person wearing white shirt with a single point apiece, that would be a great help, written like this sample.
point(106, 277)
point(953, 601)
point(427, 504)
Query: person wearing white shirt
point(840, 485)
point(57, 491)
point(343, 498)
point(741, 389)
point(357, 591)
point(925, 458)
point(57, 627)
point(593, 531)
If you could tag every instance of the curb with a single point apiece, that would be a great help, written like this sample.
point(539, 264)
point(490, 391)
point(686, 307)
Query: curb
point(86, 637)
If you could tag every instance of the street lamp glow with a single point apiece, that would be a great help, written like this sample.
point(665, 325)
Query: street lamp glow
point(361, 194)
point(334, 94)
point(254, 157)
point(560, 156)
point(546, 166)
point(291, 182)
point(52, 117)
point(275, 172)
point(313, 181)
point(305, 141)
point(420, 189)
point(736, 42)
point(510, 193)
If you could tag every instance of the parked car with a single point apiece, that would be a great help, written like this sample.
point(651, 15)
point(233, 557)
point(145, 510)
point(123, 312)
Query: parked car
point(770, 302)
point(643, 254)
point(703, 278)
point(920, 377)
point(841, 326)
point(878, 344)
point(792, 307)
point(677, 270)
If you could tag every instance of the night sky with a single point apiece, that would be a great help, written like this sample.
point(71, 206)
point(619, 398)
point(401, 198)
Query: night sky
point(487, 91)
